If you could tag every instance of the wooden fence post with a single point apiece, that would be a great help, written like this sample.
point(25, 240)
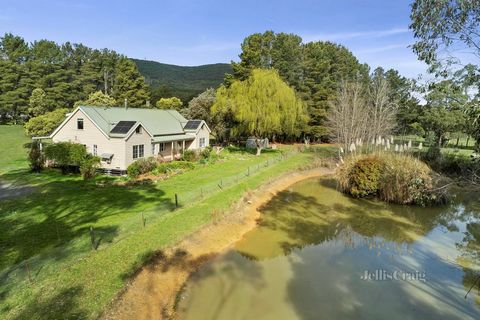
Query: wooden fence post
point(92, 238)
point(176, 201)
point(28, 271)
point(143, 220)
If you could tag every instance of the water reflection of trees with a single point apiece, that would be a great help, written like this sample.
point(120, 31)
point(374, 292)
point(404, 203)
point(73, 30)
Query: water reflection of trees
point(299, 220)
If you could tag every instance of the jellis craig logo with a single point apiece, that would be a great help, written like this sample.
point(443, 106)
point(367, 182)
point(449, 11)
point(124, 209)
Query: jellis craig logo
point(397, 275)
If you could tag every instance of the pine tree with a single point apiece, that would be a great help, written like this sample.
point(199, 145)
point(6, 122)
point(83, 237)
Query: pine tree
point(129, 84)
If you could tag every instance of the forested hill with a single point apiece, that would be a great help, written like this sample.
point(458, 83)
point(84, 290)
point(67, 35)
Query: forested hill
point(180, 81)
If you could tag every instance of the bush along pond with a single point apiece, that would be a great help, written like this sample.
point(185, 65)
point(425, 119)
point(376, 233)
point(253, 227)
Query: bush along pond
point(392, 177)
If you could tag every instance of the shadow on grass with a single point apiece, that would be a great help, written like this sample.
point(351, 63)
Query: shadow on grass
point(54, 223)
point(160, 261)
point(63, 305)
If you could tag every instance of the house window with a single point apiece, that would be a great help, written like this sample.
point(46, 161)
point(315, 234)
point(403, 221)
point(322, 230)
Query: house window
point(161, 147)
point(95, 150)
point(80, 124)
point(138, 151)
point(153, 148)
point(201, 143)
point(138, 130)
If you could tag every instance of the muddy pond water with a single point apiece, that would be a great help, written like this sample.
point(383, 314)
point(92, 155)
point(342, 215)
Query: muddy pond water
point(318, 254)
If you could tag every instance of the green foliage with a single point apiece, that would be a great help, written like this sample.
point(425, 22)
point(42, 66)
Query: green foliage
point(189, 155)
point(36, 157)
point(37, 103)
point(313, 69)
point(364, 177)
point(141, 166)
point(262, 105)
point(441, 25)
point(66, 73)
point(173, 166)
point(98, 99)
point(168, 80)
point(200, 107)
point(172, 103)
point(129, 84)
point(89, 166)
point(66, 155)
point(45, 124)
point(395, 178)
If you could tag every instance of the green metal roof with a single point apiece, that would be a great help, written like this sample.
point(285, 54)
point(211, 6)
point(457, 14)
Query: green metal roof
point(177, 137)
point(155, 121)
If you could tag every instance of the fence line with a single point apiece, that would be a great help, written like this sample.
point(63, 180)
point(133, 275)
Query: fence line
point(91, 238)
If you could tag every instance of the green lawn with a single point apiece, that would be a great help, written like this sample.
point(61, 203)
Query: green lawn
point(12, 144)
point(45, 235)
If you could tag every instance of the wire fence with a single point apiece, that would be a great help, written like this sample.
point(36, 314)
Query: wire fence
point(85, 241)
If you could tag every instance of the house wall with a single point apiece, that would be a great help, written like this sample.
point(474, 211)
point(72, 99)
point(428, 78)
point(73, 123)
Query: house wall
point(91, 135)
point(202, 133)
point(137, 139)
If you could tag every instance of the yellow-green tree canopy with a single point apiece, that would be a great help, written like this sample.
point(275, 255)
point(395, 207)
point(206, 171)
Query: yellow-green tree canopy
point(169, 103)
point(98, 99)
point(262, 105)
point(45, 124)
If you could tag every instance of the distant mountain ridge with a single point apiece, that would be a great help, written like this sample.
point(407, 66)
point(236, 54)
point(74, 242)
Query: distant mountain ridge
point(182, 81)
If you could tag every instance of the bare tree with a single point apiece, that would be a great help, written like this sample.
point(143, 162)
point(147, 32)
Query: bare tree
point(348, 116)
point(381, 109)
point(362, 113)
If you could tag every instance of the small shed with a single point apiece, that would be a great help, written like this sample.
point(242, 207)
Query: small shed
point(252, 143)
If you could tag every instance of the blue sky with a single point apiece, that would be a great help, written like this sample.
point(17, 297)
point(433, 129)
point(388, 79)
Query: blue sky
point(188, 32)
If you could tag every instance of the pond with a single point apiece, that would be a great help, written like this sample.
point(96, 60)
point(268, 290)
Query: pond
point(318, 254)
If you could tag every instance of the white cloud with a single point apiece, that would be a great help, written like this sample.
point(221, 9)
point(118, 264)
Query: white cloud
point(381, 49)
point(357, 34)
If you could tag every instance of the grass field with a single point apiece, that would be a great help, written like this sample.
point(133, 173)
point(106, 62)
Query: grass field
point(12, 144)
point(464, 148)
point(49, 269)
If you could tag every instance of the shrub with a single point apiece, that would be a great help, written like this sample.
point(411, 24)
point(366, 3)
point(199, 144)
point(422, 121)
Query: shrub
point(206, 152)
point(364, 177)
point(89, 166)
point(396, 178)
point(66, 155)
point(36, 157)
point(405, 180)
point(141, 166)
point(189, 155)
point(168, 167)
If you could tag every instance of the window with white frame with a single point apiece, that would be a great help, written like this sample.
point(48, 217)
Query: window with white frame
point(95, 150)
point(138, 151)
point(201, 142)
point(161, 147)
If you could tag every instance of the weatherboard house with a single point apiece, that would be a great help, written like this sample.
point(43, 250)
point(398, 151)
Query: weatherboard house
point(120, 136)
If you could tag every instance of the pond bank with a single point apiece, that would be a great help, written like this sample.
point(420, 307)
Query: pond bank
point(153, 292)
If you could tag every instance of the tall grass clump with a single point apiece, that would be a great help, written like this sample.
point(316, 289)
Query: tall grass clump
point(392, 177)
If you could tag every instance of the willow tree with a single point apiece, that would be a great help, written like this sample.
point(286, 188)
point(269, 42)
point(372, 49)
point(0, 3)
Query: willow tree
point(262, 105)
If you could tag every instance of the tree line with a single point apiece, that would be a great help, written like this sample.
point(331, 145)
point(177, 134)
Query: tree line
point(44, 76)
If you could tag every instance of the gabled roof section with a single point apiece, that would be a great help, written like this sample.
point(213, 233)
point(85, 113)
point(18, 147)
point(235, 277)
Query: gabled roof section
point(156, 122)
